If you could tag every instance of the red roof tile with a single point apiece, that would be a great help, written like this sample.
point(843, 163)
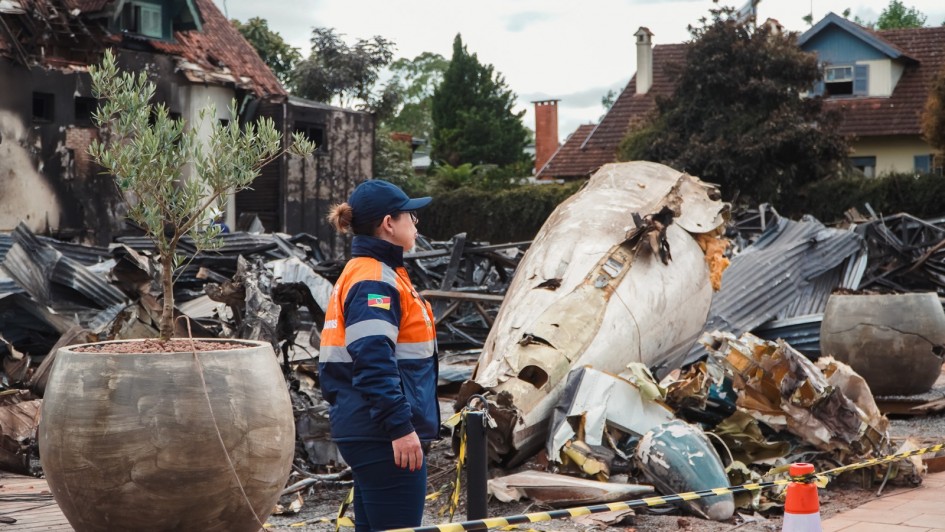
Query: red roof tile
point(599, 146)
point(218, 54)
point(570, 160)
point(901, 113)
point(220, 48)
point(87, 6)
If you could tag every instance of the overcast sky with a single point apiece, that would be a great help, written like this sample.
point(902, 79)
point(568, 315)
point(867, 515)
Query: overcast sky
point(563, 49)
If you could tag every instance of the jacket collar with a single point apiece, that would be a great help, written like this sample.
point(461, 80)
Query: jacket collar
point(382, 250)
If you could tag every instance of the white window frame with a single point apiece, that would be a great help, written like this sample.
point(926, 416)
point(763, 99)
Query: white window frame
point(838, 74)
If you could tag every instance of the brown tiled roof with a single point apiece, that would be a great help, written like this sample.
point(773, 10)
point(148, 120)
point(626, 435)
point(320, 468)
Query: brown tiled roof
point(87, 6)
point(220, 48)
point(570, 160)
point(901, 113)
point(217, 55)
point(599, 146)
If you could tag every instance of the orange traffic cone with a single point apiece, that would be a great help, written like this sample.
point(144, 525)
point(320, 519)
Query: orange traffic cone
point(801, 507)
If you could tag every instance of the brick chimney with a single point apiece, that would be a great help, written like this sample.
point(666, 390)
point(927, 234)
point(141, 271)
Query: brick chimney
point(644, 59)
point(546, 131)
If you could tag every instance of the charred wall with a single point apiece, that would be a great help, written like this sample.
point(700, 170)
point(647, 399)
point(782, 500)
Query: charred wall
point(47, 179)
point(311, 185)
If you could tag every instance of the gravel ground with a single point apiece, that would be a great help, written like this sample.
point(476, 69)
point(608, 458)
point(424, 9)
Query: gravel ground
point(842, 494)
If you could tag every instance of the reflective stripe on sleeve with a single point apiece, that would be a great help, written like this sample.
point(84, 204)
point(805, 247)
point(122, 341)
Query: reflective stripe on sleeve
point(333, 353)
point(388, 275)
point(363, 329)
point(415, 350)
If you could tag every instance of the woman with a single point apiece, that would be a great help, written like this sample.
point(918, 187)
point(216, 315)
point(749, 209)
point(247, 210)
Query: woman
point(377, 360)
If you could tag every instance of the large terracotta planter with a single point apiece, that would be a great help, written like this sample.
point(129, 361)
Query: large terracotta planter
point(128, 442)
point(895, 342)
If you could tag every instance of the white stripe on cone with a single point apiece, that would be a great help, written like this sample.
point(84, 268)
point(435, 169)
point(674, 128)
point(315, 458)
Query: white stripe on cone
point(801, 523)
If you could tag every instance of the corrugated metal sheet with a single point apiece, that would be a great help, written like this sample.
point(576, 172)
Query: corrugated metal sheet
point(81, 253)
point(782, 270)
point(801, 332)
point(53, 279)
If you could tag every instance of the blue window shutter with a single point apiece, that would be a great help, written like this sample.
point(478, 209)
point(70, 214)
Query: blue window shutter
point(923, 163)
point(861, 76)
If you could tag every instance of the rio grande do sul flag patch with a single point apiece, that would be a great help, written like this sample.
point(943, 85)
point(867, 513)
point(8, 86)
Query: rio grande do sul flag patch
point(378, 301)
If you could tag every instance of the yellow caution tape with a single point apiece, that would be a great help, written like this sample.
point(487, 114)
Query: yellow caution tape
point(820, 479)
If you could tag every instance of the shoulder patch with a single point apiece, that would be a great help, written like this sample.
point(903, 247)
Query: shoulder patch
point(378, 301)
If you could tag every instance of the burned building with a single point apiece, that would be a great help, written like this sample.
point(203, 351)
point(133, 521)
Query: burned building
point(195, 57)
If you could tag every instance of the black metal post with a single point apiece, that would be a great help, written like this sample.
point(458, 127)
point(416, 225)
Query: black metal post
point(476, 466)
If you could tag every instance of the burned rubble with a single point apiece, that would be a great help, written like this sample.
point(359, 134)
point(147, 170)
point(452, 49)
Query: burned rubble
point(596, 409)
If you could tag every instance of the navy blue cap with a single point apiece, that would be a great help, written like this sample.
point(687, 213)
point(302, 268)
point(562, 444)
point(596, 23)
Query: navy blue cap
point(375, 199)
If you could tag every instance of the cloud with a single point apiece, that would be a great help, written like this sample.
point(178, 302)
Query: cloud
point(517, 22)
point(584, 98)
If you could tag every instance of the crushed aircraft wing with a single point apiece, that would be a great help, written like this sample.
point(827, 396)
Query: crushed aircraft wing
point(616, 275)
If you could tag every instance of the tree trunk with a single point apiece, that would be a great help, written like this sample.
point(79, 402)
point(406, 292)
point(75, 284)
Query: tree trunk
point(167, 284)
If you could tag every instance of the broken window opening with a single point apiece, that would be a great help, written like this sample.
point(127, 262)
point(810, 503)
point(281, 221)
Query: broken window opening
point(144, 19)
point(314, 133)
point(866, 165)
point(533, 375)
point(84, 110)
point(43, 107)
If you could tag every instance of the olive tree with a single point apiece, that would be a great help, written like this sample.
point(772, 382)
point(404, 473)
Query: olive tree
point(171, 181)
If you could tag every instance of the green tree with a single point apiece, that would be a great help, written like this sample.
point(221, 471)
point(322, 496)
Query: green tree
point(897, 16)
point(415, 80)
point(933, 118)
point(473, 121)
point(270, 46)
point(147, 152)
point(393, 161)
point(745, 126)
point(335, 71)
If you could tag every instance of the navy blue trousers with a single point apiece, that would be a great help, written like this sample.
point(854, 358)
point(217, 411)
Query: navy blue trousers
point(385, 496)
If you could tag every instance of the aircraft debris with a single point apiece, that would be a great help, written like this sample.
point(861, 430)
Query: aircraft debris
point(677, 457)
point(636, 261)
point(562, 490)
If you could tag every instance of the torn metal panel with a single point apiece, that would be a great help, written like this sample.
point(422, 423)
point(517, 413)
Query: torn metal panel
point(677, 457)
point(780, 270)
point(295, 271)
point(19, 419)
point(54, 279)
point(801, 332)
point(597, 399)
point(617, 299)
point(783, 389)
point(562, 490)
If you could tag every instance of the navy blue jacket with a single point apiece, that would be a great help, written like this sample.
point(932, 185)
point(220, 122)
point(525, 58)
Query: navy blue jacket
point(377, 361)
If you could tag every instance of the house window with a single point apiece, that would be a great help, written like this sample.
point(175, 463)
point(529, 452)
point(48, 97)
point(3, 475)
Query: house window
point(43, 107)
point(314, 133)
point(866, 165)
point(850, 80)
point(144, 19)
point(84, 109)
point(922, 164)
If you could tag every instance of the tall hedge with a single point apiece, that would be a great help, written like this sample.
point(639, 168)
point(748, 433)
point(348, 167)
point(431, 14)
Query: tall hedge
point(920, 195)
point(497, 217)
